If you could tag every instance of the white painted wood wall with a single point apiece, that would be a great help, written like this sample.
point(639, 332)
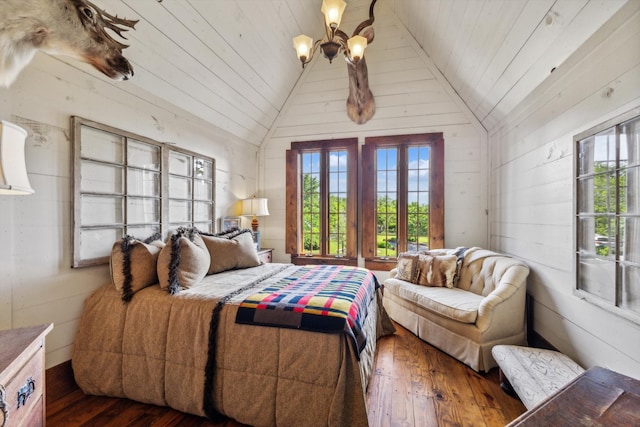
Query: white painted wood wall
point(411, 97)
point(37, 284)
point(531, 182)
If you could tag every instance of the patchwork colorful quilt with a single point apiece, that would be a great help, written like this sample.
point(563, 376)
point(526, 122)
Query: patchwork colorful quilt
point(322, 298)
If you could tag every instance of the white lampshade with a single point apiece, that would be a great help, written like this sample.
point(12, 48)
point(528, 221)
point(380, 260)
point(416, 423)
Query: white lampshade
point(255, 206)
point(303, 45)
point(333, 10)
point(13, 170)
point(356, 45)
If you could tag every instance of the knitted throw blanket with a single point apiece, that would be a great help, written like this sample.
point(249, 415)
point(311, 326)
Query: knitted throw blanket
point(323, 298)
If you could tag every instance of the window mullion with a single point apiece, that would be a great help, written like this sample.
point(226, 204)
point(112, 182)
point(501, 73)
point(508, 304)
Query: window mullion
point(618, 274)
point(402, 218)
point(324, 203)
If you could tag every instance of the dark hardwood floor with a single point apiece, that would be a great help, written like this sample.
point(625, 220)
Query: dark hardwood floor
point(413, 384)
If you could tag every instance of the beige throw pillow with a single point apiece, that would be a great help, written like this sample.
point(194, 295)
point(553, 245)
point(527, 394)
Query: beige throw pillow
point(436, 270)
point(183, 262)
point(133, 264)
point(236, 252)
point(407, 267)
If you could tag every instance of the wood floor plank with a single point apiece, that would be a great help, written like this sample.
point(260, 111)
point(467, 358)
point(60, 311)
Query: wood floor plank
point(413, 384)
point(379, 401)
point(402, 402)
point(424, 410)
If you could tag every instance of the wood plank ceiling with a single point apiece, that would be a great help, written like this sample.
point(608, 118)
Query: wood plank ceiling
point(232, 64)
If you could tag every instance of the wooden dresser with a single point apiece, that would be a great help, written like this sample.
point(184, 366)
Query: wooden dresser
point(22, 378)
point(597, 397)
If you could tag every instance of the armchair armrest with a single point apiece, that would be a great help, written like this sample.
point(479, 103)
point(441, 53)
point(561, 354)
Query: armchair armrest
point(393, 273)
point(504, 308)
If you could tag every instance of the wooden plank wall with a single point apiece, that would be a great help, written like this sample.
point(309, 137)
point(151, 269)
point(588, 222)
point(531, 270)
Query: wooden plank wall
point(37, 284)
point(531, 182)
point(411, 97)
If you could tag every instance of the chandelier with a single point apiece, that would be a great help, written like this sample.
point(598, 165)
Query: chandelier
point(336, 40)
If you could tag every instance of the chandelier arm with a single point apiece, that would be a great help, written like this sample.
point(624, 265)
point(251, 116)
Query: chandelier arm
point(368, 22)
point(342, 36)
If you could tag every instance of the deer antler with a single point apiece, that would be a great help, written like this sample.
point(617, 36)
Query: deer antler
point(111, 22)
point(366, 23)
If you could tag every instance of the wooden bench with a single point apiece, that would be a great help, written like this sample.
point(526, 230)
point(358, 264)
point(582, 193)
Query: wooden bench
point(533, 373)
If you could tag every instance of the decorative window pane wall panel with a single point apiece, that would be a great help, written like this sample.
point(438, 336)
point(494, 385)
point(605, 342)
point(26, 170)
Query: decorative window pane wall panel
point(129, 184)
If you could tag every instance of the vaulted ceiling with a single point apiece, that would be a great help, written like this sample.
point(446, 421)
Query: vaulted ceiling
point(232, 64)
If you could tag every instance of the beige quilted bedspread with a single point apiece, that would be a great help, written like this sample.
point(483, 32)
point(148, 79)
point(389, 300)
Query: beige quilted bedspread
point(154, 349)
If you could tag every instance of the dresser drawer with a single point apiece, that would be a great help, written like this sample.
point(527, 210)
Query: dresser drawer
point(265, 255)
point(24, 393)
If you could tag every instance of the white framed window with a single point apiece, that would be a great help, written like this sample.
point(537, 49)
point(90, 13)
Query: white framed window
point(126, 184)
point(608, 215)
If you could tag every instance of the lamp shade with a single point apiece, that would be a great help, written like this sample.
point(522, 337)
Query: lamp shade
point(356, 45)
point(303, 45)
point(13, 170)
point(333, 10)
point(255, 206)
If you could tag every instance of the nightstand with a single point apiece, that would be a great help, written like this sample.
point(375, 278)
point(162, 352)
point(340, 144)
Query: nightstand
point(22, 376)
point(265, 255)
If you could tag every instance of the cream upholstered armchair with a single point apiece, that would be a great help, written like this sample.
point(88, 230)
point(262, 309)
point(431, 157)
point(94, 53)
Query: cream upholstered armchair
point(485, 306)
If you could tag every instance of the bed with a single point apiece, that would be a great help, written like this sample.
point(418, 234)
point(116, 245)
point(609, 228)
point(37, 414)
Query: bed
point(188, 351)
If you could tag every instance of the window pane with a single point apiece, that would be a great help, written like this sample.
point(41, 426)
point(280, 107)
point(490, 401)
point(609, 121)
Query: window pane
point(143, 211)
point(180, 163)
point(202, 211)
point(101, 145)
point(143, 155)
point(203, 169)
point(417, 198)
point(143, 183)
point(142, 232)
point(101, 178)
point(179, 188)
point(386, 203)
point(631, 242)
point(207, 227)
point(630, 299)
point(101, 210)
point(337, 244)
point(97, 243)
point(202, 189)
point(179, 211)
point(337, 161)
point(387, 238)
point(597, 276)
point(630, 191)
point(597, 194)
point(311, 179)
point(630, 143)
point(387, 158)
point(597, 154)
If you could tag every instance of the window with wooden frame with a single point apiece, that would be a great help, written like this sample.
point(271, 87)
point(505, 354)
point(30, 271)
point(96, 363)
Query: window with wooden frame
point(322, 202)
point(608, 215)
point(402, 197)
point(126, 184)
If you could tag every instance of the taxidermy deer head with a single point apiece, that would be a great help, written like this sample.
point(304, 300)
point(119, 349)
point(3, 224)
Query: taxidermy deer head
point(360, 103)
point(75, 28)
